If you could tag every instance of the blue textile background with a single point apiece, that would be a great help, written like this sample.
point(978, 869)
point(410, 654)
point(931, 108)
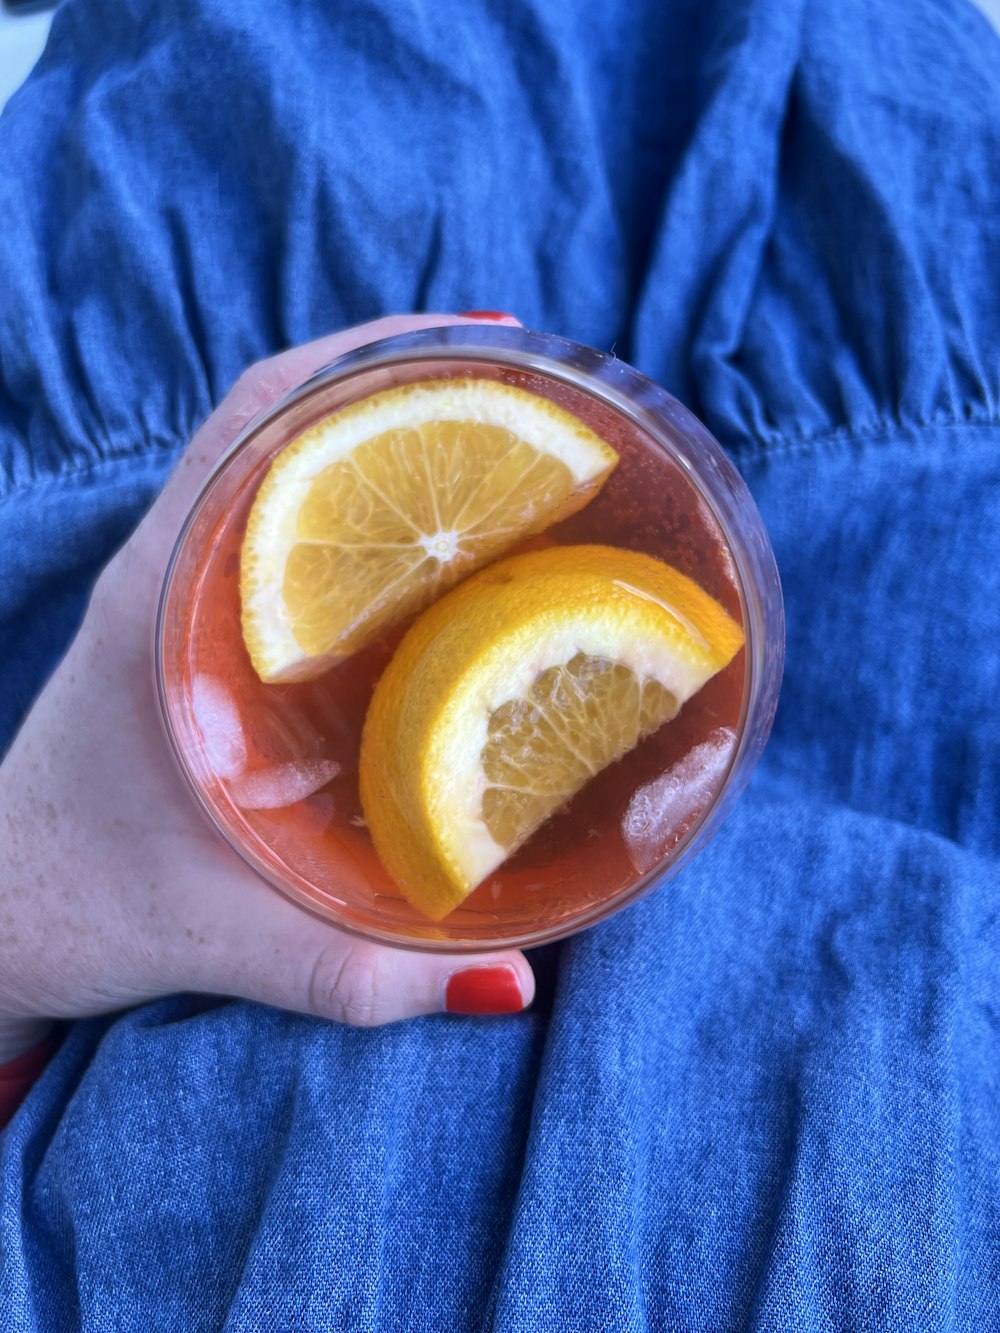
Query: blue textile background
point(769, 1096)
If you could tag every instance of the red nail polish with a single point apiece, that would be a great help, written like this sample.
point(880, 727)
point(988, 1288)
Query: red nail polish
point(484, 990)
point(485, 314)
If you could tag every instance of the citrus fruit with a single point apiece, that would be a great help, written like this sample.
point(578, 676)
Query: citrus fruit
point(511, 692)
point(373, 512)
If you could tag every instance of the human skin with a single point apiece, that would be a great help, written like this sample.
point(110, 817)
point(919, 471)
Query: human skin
point(113, 888)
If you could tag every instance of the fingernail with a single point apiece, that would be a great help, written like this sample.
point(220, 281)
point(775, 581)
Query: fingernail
point(485, 314)
point(484, 990)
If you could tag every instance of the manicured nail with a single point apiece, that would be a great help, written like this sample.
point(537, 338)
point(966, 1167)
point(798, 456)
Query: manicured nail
point(485, 314)
point(484, 990)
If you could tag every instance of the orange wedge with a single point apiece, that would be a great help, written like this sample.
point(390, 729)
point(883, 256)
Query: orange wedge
point(512, 692)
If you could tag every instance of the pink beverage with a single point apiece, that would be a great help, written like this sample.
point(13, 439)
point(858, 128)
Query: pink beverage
point(276, 766)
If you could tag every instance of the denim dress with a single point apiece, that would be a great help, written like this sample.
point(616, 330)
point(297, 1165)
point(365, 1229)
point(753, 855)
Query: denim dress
point(768, 1096)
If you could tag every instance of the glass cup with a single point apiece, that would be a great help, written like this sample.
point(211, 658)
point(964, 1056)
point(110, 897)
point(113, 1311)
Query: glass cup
point(274, 767)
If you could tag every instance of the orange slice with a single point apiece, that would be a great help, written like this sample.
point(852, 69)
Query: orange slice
point(512, 692)
point(376, 510)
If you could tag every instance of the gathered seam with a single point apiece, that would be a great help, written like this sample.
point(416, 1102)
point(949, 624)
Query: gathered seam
point(161, 449)
point(759, 451)
point(744, 452)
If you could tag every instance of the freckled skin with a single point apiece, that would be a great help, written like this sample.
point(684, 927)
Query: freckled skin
point(97, 824)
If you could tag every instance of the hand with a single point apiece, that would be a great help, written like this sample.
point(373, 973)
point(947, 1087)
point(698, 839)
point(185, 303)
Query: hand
point(113, 889)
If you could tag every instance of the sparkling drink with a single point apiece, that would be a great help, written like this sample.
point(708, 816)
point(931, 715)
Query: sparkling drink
point(275, 766)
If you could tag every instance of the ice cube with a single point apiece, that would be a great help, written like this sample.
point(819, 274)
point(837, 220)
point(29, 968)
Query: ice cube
point(217, 718)
point(282, 784)
point(666, 806)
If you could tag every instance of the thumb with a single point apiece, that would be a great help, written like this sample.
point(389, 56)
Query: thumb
point(364, 984)
point(281, 955)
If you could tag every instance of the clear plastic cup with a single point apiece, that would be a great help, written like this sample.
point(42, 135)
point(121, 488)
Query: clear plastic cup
point(274, 767)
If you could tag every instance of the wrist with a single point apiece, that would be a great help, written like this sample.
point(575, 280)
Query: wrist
point(20, 1035)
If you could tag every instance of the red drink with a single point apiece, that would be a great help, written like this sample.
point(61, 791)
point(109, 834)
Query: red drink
point(254, 752)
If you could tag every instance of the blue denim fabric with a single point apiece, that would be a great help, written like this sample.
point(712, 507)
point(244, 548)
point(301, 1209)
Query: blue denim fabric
point(767, 1097)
